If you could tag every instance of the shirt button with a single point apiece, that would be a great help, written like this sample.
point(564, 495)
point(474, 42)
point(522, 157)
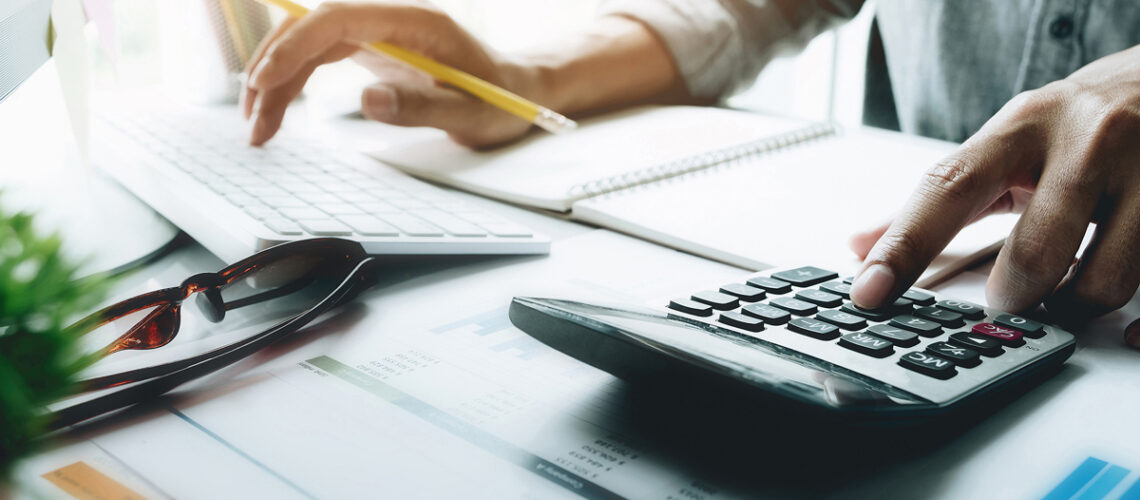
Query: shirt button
point(1061, 27)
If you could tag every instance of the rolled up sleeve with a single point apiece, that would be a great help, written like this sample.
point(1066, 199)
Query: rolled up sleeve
point(720, 46)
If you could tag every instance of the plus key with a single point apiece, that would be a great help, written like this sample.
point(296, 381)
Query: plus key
point(1007, 336)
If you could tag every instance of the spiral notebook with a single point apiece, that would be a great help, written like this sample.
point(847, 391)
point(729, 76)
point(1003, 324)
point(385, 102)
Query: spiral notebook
point(743, 188)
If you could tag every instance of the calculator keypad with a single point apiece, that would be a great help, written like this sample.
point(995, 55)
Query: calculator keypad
point(938, 340)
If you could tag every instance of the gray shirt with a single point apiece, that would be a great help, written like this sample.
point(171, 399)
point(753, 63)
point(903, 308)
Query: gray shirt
point(938, 68)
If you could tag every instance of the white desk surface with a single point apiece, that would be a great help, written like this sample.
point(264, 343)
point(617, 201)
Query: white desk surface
point(463, 395)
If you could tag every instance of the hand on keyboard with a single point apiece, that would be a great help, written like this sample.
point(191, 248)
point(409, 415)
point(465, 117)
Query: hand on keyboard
point(406, 97)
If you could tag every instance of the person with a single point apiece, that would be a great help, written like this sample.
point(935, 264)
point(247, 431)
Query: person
point(1045, 95)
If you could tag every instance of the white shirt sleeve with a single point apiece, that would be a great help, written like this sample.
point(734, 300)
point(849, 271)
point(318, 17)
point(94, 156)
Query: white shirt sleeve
point(720, 46)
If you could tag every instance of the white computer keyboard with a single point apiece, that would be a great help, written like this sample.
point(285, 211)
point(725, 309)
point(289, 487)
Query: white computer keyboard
point(193, 165)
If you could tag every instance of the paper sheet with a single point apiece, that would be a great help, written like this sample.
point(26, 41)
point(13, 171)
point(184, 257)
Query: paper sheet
point(425, 391)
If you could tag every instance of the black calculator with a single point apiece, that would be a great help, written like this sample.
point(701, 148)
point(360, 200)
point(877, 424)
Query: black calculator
point(792, 338)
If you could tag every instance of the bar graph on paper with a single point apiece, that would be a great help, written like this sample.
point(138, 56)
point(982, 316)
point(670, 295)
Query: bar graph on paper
point(1096, 479)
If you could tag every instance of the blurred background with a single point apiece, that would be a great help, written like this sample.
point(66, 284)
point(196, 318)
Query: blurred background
point(160, 42)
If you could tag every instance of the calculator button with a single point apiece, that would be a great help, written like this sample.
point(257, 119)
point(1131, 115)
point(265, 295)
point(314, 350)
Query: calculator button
point(928, 364)
point(923, 327)
point(947, 318)
point(741, 321)
point(901, 306)
point(867, 344)
point(901, 338)
point(814, 328)
point(794, 306)
point(846, 321)
point(690, 307)
point(849, 280)
point(771, 285)
point(961, 356)
point(744, 292)
point(920, 298)
point(871, 314)
point(971, 311)
point(1007, 336)
point(770, 315)
point(985, 345)
point(1030, 328)
point(839, 288)
point(717, 300)
point(820, 297)
point(805, 276)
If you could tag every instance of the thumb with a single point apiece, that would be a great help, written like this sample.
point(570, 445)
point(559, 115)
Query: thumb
point(467, 120)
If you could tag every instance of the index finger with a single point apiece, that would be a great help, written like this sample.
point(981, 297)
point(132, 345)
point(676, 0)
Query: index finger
point(949, 196)
point(331, 24)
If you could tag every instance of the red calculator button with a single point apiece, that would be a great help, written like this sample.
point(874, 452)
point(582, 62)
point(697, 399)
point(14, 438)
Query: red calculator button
point(1007, 336)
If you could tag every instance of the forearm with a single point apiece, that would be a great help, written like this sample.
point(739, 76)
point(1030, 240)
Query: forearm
point(616, 62)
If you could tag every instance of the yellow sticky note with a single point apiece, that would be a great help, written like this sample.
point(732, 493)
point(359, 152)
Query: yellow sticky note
point(83, 482)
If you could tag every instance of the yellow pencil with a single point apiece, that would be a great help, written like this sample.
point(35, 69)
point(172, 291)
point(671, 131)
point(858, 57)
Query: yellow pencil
point(492, 94)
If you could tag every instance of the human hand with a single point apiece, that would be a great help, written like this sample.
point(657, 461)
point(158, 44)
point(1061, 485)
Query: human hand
point(1063, 156)
point(403, 96)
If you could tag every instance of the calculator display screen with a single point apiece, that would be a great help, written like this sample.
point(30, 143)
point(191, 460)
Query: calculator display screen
point(764, 365)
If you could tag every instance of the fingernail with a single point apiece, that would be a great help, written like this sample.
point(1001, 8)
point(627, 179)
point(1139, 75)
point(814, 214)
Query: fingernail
point(872, 287)
point(1132, 334)
point(381, 103)
point(257, 132)
point(255, 77)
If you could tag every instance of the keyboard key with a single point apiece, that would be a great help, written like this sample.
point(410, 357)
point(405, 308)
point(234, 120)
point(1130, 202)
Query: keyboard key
point(303, 213)
point(744, 292)
point(805, 276)
point(920, 298)
point(820, 297)
point(378, 207)
point(690, 307)
point(771, 285)
point(837, 287)
point(283, 226)
point(368, 225)
point(900, 337)
point(971, 311)
point(411, 226)
point(770, 315)
point(283, 202)
point(450, 223)
point(867, 344)
point(265, 190)
point(742, 321)
point(794, 306)
point(506, 229)
point(1030, 328)
point(717, 300)
point(873, 315)
point(961, 356)
point(325, 227)
point(262, 212)
point(947, 318)
point(923, 327)
point(814, 328)
point(318, 198)
point(1007, 336)
point(340, 209)
point(987, 346)
point(846, 321)
point(928, 364)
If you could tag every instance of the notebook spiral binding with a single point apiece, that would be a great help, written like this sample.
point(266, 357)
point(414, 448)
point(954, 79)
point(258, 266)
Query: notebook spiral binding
point(700, 161)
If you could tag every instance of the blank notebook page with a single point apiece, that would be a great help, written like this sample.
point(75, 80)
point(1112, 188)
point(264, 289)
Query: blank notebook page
point(541, 170)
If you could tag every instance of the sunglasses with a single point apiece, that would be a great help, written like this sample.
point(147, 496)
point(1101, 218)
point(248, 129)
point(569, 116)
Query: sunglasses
point(248, 305)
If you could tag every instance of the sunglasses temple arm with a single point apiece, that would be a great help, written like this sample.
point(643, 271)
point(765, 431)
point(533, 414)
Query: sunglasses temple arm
point(361, 278)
